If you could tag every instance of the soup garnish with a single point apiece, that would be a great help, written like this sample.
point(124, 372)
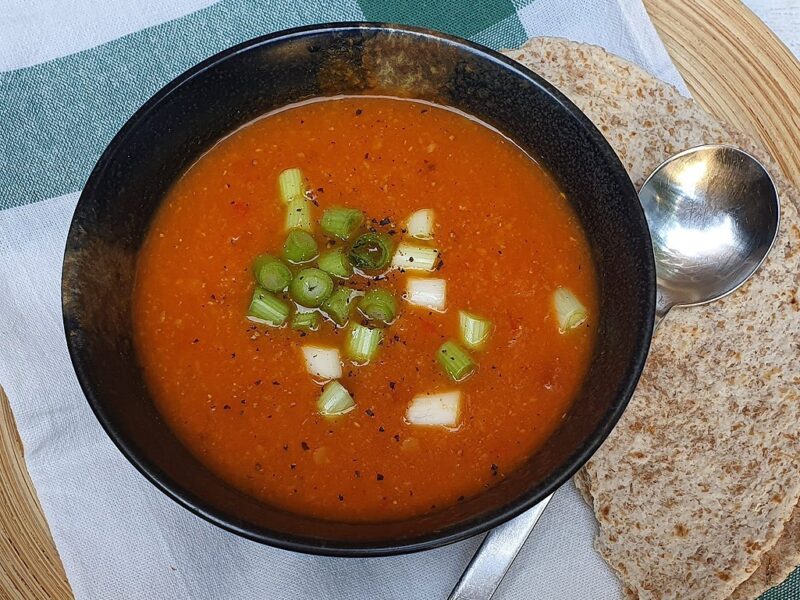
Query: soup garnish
point(311, 288)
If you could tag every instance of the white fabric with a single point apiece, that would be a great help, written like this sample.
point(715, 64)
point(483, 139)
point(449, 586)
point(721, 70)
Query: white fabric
point(623, 28)
point(120, 538)
point(32, 31)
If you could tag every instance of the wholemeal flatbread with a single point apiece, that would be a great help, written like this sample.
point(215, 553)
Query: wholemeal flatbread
point(695, 489)
point(776, 564)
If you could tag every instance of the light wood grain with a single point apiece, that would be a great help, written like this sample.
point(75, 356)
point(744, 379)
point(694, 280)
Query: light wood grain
point(734, 66)
point(737, 69)
point(783, 17)
point(29, 563)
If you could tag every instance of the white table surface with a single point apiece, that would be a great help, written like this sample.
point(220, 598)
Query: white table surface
point(783, 17)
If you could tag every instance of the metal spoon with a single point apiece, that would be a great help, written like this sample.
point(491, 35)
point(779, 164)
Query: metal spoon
point(713, 216)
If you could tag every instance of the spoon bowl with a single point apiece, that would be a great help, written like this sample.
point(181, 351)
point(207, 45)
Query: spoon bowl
point(713, 216)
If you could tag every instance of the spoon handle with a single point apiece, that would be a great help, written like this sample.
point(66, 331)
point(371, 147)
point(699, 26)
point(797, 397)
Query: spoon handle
point(495, 555)
point(663, 305)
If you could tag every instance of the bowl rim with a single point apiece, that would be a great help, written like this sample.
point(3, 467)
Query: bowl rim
point(428, 541)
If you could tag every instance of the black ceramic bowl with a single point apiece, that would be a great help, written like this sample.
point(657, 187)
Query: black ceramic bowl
point(207, 102)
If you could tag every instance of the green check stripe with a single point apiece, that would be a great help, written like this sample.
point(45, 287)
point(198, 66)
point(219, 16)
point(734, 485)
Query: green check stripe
point(462, 18)
point(58, 117)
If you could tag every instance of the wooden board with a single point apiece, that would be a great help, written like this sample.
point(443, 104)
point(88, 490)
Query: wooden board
point(737, 69)
point(734, 66)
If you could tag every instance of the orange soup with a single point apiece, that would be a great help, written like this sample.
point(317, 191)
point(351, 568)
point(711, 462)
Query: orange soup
point(364, 309)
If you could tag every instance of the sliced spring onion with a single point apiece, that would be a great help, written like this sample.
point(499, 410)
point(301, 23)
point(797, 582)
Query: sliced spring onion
point(341, 223)
point(441, 408)
point(335, 262)
point(323, 363)
point(335, 400)
point(379, 305)
point(362, 343)
point(410, 257)
point(271, 273)
point(267, 309)
point(293, 193)
point(311, 287)
point(474, 330)
point(309, 321)
point(299, 247)
point(371, 251)
point(428, 292)
point(337, 306)
point(569, 311)
point(420, 224)
point(455, 361)
point(298, 215)
point(291, 185)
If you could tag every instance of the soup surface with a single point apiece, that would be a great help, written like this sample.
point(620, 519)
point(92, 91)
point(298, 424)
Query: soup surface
point(239, 394)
